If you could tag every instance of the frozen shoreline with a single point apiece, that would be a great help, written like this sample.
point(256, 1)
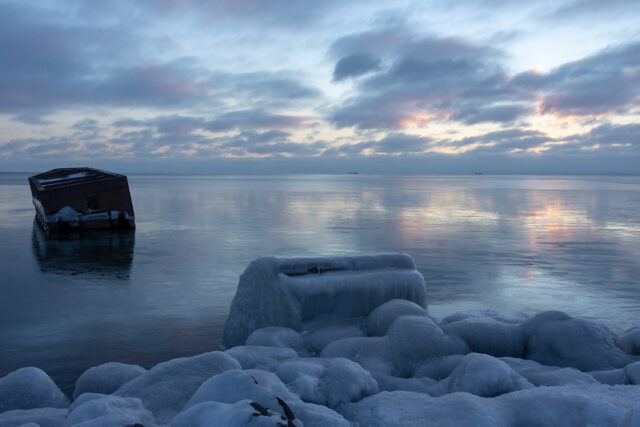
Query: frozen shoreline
point(354, 345)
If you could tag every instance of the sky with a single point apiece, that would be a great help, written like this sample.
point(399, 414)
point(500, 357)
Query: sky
point(292, 86)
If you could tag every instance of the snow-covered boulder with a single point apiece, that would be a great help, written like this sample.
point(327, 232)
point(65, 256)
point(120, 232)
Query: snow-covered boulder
point(29, 388)
point(110, 411)
point(239, 414)
point(631, 341)
point(488, 332)
point(556, 339)
point(485, 376)
point(328, 382)
point(382, 317)
point(235, 385)
point(416, 338)
point(106, 378)
point(372, 353)
point(168, 386)
point(291, 291)
point(541, 375)
point(610, 376)
point(277, 336)
point(316, 340)
point(37, 417)
point(595, 405)
point(632, 373)
point(261, 357)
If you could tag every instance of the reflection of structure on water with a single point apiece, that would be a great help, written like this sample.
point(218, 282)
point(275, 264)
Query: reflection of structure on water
point(99, 253)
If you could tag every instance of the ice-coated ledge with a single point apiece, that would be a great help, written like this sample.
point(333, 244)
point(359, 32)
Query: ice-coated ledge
point(290, 292)
point(392, 365)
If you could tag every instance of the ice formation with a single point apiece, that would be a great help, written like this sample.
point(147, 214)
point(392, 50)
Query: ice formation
point(356, 349)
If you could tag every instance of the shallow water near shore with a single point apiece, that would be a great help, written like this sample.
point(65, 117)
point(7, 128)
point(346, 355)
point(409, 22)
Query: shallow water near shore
point(529, 243)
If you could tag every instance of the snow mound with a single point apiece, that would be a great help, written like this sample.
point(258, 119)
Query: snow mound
point(382, 317)
point(631, 341)
point(372, 353)
point(235, 385)
point(541, 375)
point(488, 332)
point(29, 388)
point(485, 376)
point(276, 336)
point(291, 291)
point(240, 414)
point(168, 386)
point(416, 338)
point(632, 373)
point(110, 411)
point(106, 378)
point(318, 339)
point(37, 417)
point(540, 406)
point(261, 357)
point(327, 382)
point(556, 339)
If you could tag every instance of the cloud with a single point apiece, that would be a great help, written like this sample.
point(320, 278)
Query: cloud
point(426, 76)
point(603, 83)
point(354, 65)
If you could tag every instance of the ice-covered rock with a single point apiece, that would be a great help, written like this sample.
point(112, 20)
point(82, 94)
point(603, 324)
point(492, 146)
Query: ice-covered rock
point(485, 376)
point(382, 317)
point(595, 405)
point(106, 378)
point(488, 332)
point(235, 385)
point(36, 417)
point(438, 368)
point(541, 375)
point(240, 414)
point(291, 291)
point(276, 336)
point(631, 341)
point(610, 376)
point(632, 373)
point(29, 388)
point(318, 339)
point(556, 339)
point(328, 382)
point(261, 357)
point(313, 415)
point(110, 411)
point(372, 353)
point(168, 386)
point(416, 338)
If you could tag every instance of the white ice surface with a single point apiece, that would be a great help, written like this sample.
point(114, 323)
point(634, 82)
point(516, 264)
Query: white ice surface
point(277, 336)
point(292, 291)
point(168, 386)
point(106, 378)
point(37, 417)
point(328, 382)
point(110, 411)
point(379, 320)
point(29, 388)
point(216, 414)
point(556, 339)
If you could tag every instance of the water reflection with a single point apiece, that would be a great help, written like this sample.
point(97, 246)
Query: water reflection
point(107, 253)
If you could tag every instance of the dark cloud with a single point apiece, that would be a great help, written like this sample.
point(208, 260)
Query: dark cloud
point(426, 76)
point(498, 114)
point(253, 119)
point(609, 135)
point(355, 65)
point(503, 141)
point(51, 63)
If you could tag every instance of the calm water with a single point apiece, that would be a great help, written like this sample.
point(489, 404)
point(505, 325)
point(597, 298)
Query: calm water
point(522, 243)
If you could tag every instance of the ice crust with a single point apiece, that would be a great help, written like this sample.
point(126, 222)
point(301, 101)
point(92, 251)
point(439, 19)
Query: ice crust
point(372, 359)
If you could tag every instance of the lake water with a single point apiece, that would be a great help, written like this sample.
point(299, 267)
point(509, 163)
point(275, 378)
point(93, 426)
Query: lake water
point(527, 243)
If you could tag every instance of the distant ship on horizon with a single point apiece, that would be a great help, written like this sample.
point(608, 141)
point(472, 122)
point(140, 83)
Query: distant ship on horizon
point(352, 173)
